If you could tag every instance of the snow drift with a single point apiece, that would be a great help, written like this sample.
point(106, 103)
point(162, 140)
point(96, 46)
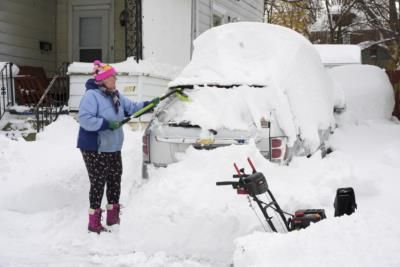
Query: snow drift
point(180, 218)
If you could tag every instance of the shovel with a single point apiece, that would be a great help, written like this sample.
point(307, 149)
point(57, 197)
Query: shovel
point(179, 92)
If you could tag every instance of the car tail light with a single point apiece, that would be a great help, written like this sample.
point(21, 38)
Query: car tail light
point(276, 153)
point(145, 144)
point(278, 149)
point(146, 147)
point(276, 143)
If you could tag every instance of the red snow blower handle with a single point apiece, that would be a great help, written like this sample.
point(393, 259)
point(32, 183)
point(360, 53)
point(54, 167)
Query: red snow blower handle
point(251, 165)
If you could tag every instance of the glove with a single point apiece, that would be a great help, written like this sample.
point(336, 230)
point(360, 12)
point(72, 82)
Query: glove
point(114, 125)
point(155, 101)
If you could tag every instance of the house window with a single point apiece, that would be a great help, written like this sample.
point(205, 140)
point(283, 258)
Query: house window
point(90, 39)
point(218, 15)
point(217, 20)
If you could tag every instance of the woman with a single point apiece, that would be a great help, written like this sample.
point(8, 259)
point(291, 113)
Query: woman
point(100, 141)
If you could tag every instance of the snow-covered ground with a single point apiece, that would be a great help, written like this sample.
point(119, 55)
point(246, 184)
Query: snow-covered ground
point(180, 218)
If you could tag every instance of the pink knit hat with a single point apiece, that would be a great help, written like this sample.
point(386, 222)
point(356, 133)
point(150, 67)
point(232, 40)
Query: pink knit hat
point(102, 71)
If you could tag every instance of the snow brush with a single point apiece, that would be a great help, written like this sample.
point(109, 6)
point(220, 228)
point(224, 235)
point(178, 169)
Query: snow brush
point(179, 93)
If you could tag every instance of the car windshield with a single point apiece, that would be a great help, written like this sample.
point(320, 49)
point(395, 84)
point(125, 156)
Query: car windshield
point(211, 107)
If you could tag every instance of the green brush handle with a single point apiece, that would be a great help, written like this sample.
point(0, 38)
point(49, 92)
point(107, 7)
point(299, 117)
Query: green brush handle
point(152, 105)
point(143, 110)
point(139, 113)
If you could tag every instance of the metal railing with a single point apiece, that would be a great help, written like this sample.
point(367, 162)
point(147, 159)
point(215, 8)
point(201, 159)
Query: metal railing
point(6, 88)
point(54, 100)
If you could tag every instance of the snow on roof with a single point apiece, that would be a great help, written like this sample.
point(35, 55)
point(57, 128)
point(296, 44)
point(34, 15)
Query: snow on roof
point(278, 58)
point(130, 66)
point(339, 53)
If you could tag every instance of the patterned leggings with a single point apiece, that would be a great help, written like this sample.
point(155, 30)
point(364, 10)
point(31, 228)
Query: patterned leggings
point(103, 169)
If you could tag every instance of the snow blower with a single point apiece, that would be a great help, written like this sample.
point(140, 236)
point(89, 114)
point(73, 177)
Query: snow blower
point(254, 185)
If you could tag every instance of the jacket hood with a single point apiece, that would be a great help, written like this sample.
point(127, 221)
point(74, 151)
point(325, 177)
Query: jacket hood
point(91, 84)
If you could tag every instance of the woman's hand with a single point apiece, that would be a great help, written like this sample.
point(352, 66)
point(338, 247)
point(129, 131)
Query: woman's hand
point(112, 125)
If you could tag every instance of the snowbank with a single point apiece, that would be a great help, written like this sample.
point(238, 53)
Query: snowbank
point(180, 218)
point(271, 56)
point(131, 67)
point(369, 237)
point(368, 92)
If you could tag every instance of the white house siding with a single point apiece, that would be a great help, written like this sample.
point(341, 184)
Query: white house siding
point(22, 25)
point(62, 31)
point(167, 25)
point(242, 10)
point(167, 29)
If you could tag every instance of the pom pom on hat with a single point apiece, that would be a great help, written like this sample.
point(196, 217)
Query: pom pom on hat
point(102, 71)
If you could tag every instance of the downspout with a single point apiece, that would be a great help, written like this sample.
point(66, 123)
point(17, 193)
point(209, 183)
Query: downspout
point(139, 43)
point(211, 13)
point(194, 23)
point(126, 31)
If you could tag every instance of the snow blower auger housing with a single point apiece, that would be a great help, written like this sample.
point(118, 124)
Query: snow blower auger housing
point(254, 185)
point(303, 218)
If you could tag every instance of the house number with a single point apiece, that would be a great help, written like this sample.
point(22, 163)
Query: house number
point(129, 89)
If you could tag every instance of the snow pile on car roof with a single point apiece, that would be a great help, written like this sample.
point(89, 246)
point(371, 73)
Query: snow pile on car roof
point(368, 91)
point(271, 56)
point(248, 53)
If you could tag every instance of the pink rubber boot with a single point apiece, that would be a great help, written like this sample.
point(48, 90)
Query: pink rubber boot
point(113, 214)
point(95, 221)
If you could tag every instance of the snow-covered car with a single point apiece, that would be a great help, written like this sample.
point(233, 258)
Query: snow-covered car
point(246, 82)
point(368, 93)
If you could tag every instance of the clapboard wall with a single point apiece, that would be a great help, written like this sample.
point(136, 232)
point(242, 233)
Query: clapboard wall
point(23, 24)
point(232, 10)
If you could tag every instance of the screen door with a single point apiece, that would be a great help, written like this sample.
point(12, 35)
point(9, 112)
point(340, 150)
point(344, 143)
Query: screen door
point(90, 35)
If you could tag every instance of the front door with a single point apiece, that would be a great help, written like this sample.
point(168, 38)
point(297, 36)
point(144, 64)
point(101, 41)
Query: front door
point(90, 35)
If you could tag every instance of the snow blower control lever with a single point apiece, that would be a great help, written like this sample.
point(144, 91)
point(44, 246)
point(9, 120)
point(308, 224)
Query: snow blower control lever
point(255, 184)
point(146, 109)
